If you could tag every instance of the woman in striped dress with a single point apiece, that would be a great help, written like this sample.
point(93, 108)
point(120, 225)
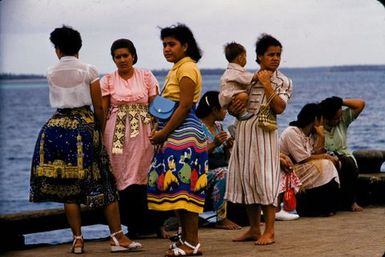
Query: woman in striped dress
point(254, 170)
point(177, 178)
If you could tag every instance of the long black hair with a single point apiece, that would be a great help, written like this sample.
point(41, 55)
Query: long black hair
point(207, 104)
point(184, 35)
point(307, 115)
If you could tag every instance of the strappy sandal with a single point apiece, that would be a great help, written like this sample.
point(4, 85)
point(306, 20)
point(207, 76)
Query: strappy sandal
point(180, 252)
point(77, 249)
point(119, 248)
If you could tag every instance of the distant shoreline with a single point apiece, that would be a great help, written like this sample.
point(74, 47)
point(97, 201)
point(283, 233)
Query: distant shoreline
point(214, 71)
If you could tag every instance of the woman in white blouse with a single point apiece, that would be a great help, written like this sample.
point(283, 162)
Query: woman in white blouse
point(303, 141)
point(70, 164)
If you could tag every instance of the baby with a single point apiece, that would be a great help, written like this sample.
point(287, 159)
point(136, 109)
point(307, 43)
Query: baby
point(236, 81)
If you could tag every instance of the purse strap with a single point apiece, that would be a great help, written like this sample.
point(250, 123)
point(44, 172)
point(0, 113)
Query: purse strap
point(165, 83)
point(271, 98)
point(265, 108)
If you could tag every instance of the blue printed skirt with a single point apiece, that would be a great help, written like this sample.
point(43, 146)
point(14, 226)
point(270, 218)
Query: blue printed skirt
point(70, 164)
point(177, 178)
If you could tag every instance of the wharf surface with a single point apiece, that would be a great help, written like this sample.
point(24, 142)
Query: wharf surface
point(360, 234)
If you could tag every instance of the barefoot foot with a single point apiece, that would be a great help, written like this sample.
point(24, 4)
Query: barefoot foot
point(227, 224)
point(248, 236)
point(356, 208)
point(265, 239)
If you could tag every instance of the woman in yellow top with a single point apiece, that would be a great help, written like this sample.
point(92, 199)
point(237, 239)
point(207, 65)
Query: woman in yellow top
point(177, 178)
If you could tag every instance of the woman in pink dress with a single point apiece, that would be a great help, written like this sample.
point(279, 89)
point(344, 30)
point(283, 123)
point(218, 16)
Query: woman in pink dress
point(127, 93)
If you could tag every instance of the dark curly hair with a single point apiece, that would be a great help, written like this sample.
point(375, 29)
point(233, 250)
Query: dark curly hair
point(330, 106)
point(66, 39)
point(263, 43)
point(184, 35)
point(124, 43)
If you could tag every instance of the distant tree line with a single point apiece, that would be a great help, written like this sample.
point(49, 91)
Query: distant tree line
point(156, 73)
point(20, 76)
point(161, 73)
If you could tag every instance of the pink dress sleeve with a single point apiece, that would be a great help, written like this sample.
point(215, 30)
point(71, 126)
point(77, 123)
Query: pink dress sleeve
point(151, 83)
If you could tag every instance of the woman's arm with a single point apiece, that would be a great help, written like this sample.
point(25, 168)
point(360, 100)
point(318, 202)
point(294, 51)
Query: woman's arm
point(97, 102)
point(187, 87)
point(285, 163)
point(357, 105)
point(277, 104)
point(319, 137)
point(333, 159)
point(219, 139)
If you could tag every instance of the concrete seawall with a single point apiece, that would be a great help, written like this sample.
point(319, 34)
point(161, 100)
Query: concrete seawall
point(371, 189)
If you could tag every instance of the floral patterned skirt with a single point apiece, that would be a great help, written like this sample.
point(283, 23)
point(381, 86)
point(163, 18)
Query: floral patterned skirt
point(177, 179)
point(70, 164)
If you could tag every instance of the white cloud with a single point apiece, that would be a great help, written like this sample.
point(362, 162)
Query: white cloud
point(313, 32)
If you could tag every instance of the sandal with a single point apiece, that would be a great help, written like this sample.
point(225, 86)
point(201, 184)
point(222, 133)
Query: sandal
point(176, 244)
point(180, 252)
point(77, 249)
point(120, 248)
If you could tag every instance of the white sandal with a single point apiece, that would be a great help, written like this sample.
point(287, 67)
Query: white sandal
point(180, 252)
point(78, 249)
point(119, 248)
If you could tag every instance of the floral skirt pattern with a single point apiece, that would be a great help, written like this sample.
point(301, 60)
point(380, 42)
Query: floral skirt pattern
point(70, 164)
point(177, 178)
point(216, 188)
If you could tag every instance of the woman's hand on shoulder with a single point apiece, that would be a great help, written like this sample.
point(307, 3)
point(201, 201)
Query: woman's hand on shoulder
point(264, 76)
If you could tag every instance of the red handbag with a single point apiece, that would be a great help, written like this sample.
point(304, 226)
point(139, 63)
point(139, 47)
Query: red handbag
point(289, 200)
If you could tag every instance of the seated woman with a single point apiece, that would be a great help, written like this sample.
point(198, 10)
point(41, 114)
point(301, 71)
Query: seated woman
point(219, 143)
point(338, 115)
point(303, 142)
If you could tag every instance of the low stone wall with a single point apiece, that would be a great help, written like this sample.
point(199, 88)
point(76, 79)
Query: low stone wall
point(371, 190)
point(371, 181)
point(14, 226)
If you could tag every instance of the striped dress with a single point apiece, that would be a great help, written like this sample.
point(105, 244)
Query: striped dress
point(178, 175)
point(178, 179)
point(254, 171)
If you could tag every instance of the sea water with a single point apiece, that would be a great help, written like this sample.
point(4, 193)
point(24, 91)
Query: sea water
point(24, 108)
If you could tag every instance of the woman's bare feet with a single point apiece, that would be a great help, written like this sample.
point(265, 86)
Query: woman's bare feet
point(266, 239)
point(227, 224)
point(163, 233)
point(249, 235)
point(356, 208)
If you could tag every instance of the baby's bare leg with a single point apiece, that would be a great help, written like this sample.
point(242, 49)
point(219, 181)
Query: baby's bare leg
point(244, 98)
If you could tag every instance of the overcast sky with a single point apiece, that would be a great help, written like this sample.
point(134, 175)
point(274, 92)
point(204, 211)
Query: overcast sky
point(313, 32)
